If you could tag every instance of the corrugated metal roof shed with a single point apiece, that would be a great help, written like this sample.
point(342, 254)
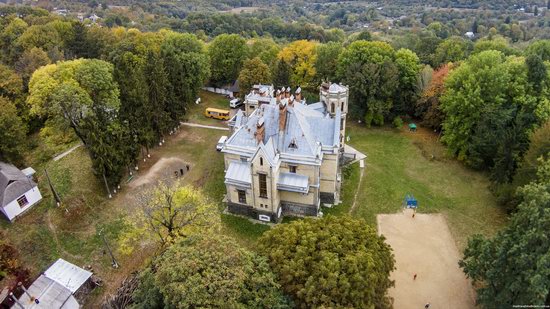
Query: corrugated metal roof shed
point(68, 275)
point(238, 173)
point(51, 295)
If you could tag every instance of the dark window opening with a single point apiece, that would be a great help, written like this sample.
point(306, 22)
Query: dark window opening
point(242, 196)
point(22, 201)
point(293, 144)
point(263, 185)
point(261, 161)
point(292, 168)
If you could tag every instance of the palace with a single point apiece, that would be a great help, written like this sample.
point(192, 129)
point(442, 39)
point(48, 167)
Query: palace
point(284, 156)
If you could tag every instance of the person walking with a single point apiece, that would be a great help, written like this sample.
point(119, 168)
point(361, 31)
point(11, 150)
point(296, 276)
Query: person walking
point(414, 277)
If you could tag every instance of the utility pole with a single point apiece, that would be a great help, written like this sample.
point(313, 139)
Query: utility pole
point(107, 185)
point(55, 195)
point(114, 262)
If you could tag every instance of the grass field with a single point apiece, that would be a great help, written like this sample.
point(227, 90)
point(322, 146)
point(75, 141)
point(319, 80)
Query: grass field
point(400, 163)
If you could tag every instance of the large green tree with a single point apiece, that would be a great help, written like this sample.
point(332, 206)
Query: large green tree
point(254, 72)
point(227, 53)
point(334, 262)
point(209, 271)
point(490, 109)
point(373, 77)
point(513, 267)
point(326, 64)
point(83, 94)
point(187, 68)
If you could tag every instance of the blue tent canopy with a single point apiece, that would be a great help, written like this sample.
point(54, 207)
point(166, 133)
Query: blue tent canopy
point(410, 201)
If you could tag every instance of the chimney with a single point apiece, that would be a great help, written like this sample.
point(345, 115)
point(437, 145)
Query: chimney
point(287, 92)
point(291, 101)
point(282, 116)
point(278, 95)
point(298, 94)
point(260, 130)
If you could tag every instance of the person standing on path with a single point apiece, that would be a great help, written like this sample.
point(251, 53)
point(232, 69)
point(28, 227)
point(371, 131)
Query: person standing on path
point(427, 306)
point(414, 277)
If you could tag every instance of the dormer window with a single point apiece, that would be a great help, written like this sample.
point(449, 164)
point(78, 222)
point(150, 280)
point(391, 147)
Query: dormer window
point(293, 144)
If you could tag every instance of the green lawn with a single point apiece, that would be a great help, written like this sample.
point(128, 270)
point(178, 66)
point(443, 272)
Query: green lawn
point(397, 164)
point(208, 99)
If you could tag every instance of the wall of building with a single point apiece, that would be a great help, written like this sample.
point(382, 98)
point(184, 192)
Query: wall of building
point(12, 210)
point(329, 170)
point(233, 195)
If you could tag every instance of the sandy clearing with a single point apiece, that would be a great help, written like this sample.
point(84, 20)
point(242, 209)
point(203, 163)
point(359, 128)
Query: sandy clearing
point(162, 169)
point(424, 246)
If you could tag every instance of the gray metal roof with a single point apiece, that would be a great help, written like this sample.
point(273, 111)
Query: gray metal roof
point(51, 295)
point(67, 274)
point(293, 182)
point(13, 183)
point(306, 128)
point(238, 174)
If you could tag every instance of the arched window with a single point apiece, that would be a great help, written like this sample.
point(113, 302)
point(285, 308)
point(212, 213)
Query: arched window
point(332, 108)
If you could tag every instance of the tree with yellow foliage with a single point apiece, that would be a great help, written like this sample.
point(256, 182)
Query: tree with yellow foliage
point(301, 57)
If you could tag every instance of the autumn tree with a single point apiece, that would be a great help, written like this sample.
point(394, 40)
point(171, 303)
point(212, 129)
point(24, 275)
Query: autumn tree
point(12, 133)
point(539, 147)
point(281, 74)
point(300, 56)
point(264, 48)
point(428, 105)
point(254, 72)
point(334, 262)
point(29, 62)
point(227, 53)
point(11, 84)
point(11, 49)
point(512, 267)
point(209, 271)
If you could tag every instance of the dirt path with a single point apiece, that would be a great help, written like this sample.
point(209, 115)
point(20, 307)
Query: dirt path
point(362, 173)
point(424, 246)
point(196, 125)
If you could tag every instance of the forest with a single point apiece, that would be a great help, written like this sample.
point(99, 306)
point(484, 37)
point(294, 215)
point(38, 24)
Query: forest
point(120, 90)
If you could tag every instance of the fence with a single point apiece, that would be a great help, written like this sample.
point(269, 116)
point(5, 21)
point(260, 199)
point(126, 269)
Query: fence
point(219, 91)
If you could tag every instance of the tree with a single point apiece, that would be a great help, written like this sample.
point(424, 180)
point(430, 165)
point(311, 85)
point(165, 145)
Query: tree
point(8, 40)
point(539, 146)
point(266, 49)
point(11, 84)
point(428, 105)
point(227, 53)
point(157, 81)
point(187, 68)
point(12, 133)
point(209, 271)
point(29, 62)
point(83, 94)
point(331, 262)
point(172, 211)
point(451, 50)
point(281, 76)
point(408, 65)
point(497, 43)
point(373, 77)
point(326, 63)
point(539, 48)
point(300, 56)
point(537, 72)
point(490, 109)
point(512, 267)
point(254, 72)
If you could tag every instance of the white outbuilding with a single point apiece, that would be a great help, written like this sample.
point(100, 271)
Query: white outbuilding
point(18, 191)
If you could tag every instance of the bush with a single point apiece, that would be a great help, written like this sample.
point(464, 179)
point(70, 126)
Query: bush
point(368, 119)
point(397, 122)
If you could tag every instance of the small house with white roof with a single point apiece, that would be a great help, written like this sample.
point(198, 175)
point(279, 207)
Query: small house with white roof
point(18, 191)
point(284, 156)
